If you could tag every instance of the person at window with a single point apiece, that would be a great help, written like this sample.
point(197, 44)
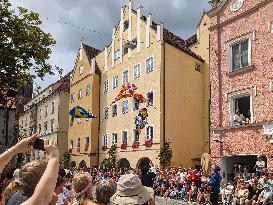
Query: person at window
point(259, 166)
point(239, 119)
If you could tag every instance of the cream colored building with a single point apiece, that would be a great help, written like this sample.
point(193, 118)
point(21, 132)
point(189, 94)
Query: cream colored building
point(166, 72)
point(46, 114)
point(84, 92)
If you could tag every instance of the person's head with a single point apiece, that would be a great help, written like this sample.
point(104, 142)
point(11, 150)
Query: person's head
point(105, 190)
point(216, 169)
point(30, 175)
point(131, 191)
point(238, 112)
point(82, 186)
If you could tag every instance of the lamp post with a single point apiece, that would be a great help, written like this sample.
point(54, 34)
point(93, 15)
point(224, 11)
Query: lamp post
point(10, 94)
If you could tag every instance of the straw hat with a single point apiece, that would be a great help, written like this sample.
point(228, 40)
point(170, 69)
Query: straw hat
point(131, 191)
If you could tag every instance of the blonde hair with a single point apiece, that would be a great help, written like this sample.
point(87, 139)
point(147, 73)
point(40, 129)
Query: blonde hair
point(11, 188)
point(31, 174)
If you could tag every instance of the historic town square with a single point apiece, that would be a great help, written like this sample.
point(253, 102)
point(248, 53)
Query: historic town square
point(133, 102)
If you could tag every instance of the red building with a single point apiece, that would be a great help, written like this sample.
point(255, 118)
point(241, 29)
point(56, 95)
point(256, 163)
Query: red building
point(241, 75)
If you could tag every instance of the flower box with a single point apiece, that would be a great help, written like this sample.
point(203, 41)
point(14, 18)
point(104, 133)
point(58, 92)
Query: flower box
point(148, 143)
point(86, 148)
point(78, 149)
point(70, 150)
point(135, 145)
point(104, 147)
point(123, 146)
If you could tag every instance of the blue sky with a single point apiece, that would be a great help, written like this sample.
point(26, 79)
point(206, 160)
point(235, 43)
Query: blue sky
point(179, 16)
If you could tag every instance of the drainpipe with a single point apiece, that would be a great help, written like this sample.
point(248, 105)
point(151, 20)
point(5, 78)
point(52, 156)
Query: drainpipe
point(164, 93)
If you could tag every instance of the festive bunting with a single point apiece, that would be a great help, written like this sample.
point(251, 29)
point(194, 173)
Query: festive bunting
point(141, 120)
point(79, 112)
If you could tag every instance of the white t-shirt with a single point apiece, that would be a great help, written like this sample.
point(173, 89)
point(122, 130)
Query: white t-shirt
point(238, 119)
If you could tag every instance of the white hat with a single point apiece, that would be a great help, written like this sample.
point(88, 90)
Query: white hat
point(131, 191)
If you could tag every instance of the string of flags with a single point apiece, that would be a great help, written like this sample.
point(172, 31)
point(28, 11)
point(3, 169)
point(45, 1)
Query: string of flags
point(78, 27)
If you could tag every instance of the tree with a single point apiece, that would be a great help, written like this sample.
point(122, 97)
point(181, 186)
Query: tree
point(112, 156)
point(66, 159)
point(24, 47)
point(82, 164)
point(165, 155)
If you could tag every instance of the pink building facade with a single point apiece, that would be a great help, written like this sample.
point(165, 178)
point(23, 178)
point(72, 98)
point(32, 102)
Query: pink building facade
point(241, 76)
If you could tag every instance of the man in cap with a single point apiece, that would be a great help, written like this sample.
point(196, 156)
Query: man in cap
point(215, 183)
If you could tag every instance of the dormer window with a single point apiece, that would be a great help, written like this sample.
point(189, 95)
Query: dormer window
point(81, 69)
point(125, 25)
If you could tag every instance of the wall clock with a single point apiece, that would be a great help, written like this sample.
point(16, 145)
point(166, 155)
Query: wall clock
point(236, 5)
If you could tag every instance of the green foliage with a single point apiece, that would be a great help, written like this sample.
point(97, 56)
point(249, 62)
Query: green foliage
point(110, 162)
point(66, 158)
point(165, 155)
point(73, 164)
point(82, 164)
point(24, 47)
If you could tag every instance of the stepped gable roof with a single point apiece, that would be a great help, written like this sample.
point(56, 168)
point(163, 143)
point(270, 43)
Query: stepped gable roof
point(90, 51)
point(173, 39)
point(191, 40)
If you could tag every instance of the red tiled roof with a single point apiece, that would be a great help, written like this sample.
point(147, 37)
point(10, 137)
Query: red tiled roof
point(90, 51)
point(178, 43)
point(65, 83)
point(191, 40)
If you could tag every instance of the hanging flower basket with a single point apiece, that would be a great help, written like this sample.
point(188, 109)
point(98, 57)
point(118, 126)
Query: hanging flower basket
point(104, 147)
point(135, 145)
point(123, 146)
point(148, 143)
point(78, 149)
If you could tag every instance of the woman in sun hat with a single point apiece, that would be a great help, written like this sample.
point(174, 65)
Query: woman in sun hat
point(130, 191)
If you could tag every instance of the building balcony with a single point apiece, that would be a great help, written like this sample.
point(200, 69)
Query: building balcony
point(135, 145)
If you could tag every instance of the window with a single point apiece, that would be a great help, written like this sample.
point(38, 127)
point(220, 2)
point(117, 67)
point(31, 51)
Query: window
point(135, 136)
point(41, 113)
point(106, 86)
point(81, 69)
point(240, 55)
point(114, 110)
point(72, 98)
point(125, 50)
point(124, 137)
point(150, 99)
point(124, 106)
point(46, 111)
point(149, 65)
point(135, 105)
point(136, 71)
point(125, 25)
point(150, 133)
point(105, 139)
point(125, 77)
point(80, 94)
point(52, 126)
point(116, 54)
point(106, 112)
point(45, 125)
point(52, 107)
point(241, 110)
point(133, 43)
point(115, 82)
point(79, 143)
point(114, 138)
point(88, 89)
point(198, 67)
point(71, 145)
point(86, 143)
point(71, 121)
point(39, 129)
